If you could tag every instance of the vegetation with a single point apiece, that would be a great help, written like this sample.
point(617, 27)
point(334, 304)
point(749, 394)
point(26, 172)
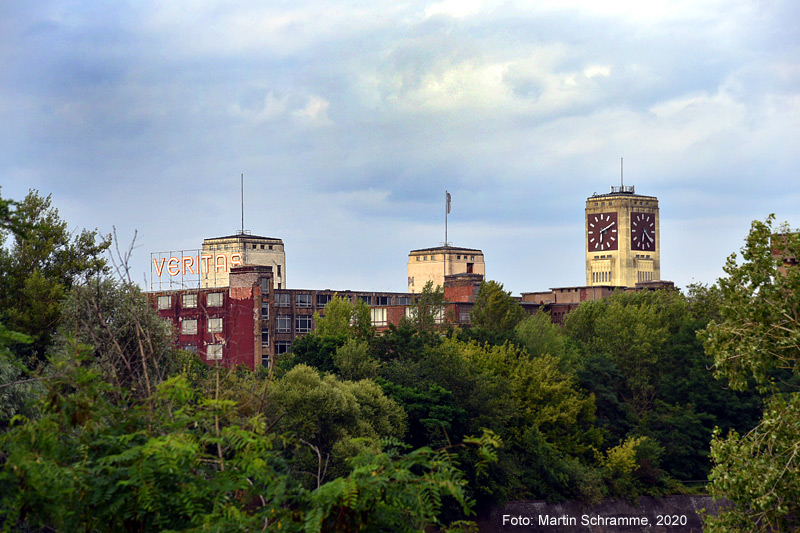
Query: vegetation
point(754, 342)
point(105, 426)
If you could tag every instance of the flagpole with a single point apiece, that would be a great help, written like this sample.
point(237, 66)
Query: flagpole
point(446, 212)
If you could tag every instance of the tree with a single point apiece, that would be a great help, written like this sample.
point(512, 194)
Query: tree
point(44, 260)
point(495, 310)
point(326, 414)
point(428, 311)
point(342, 318)
point(757, 339)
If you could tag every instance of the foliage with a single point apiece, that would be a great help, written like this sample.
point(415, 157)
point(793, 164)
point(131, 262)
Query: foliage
point(759, 472)
point(539, 336)
point(325, 414)
point(495, 310)
point(433, 413)
point(758, 333)
point(756, 340)
point(387, 492)
point(630, 467)
point(354, 362)
point(314, 350)
point(44, 260)
point(131, 345)
point(428, 311)
point(15, 387)
point(343, 318)
point(193, 463)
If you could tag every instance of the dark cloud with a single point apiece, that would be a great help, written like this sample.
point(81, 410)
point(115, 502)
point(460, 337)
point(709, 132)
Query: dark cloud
point(349, 123)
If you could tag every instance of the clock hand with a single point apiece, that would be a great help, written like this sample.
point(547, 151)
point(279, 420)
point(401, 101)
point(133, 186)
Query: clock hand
point(607, 227)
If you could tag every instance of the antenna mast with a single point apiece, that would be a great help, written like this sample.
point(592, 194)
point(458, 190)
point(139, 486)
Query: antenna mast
point(621, 184)
point(242, 203)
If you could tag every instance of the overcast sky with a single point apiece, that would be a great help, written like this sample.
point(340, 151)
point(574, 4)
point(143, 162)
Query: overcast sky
point(349, 120)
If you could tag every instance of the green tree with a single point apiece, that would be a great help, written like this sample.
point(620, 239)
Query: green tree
point(44, 260)
point(429, 310)
point(757, 338)
point(343, 318)
point(326, 414)
point(495, 310)
point(354, 362)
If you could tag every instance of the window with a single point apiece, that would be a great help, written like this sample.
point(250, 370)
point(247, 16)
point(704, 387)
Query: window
point(302, 324)
point(191, 348)
point(403, 300)
point(265, 337)
point(189, 327)
point(417, 258)
point(189, 300)
point(282, 347)
point(366, 299)
point(378, 316)
point(264, 310)
point(214, 299)
point(264, 285)
point(438, 315)
point(214, 352)
point(215, 325)
point(323, 299)
point(464, 317)
point(383, 300)
point(283, 300)
point(283, 324)
point(279, 271)
point(303, 300)
point(164, 302)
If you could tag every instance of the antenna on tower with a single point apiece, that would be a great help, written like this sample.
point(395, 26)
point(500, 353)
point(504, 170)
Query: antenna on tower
point(621, 184)
point(242, 182)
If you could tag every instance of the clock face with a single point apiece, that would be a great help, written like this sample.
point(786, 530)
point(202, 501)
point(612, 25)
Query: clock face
point(601, 232)
point(643, 231)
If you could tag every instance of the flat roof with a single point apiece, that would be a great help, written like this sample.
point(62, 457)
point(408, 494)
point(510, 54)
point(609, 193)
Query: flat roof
point(244, 236)
point(447, 248)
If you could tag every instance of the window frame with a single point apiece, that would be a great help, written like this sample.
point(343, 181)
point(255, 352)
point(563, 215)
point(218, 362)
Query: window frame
point(215, 324)
point(184, 326)
point(279, 319)
point(191, 299)
point(164, 302)
point(307, 324)
point(214, 299)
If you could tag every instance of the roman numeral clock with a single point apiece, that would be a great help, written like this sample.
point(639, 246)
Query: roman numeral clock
point(622, 238)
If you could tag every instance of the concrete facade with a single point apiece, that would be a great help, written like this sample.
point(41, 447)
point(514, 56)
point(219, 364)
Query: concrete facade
point(238, 250)
point(434, 264)
point(623, 239)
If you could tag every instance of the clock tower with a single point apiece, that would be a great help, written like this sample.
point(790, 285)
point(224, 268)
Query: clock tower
point(623, 243)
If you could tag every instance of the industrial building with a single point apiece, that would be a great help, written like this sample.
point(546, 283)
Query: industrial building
point(230, 304)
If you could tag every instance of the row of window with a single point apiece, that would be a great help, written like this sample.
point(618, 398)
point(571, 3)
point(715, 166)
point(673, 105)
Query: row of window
point(601, 277)
point(189, 326)
point(645, 276)
point(433, 258)
point(304, 300)
point(213, 351)
point(188, 301)
point(302, 324)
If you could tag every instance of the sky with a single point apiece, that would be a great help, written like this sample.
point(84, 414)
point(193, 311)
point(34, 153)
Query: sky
point(350, 120)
